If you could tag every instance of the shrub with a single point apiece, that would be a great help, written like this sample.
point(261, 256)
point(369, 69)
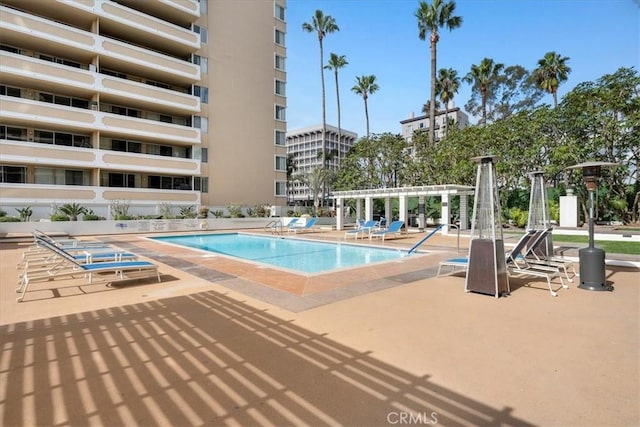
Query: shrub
point(217, 213)
point(120, 208)
point(2, 213)
point(5, 218)
point(59, 217)
point(235, 211)
point(187, 212)
point(25, 213)
point(519, 217)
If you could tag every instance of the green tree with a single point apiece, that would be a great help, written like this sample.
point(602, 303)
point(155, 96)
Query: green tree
point(336, 62)
point(447, 86)
point(365, 86)
point(432, 17)
point(514, 92)
point(316, 180)
point(552, 70)
point(322, 25)
point(481, 78)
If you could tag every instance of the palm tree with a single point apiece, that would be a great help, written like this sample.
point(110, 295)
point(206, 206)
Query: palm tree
point(427, 107)
point(432, 17)
point(447, 86)
point(322, 25)
point(481, 77)
point(335, 63)
point(552, 70)
point(366, 85)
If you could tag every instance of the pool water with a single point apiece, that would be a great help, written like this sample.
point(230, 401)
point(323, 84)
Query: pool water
point(300, 255)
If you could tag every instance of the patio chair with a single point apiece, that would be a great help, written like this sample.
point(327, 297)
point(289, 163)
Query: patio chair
point(365, 228)
point(69, 267)
point(394, 229)
point(533, 256)
point(301, 228)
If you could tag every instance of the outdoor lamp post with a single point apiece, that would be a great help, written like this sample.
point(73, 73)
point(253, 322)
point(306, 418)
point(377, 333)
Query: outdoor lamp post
point(592, 264)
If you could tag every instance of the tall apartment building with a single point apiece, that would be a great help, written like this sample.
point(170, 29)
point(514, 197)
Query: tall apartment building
point(173, 102)
point(304, 146)
point(443, 118)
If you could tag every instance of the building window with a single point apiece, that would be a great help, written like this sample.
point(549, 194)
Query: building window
point(10, 91)
point(201, 123)
point(281, 138)
point(281, 188)
point(203, 7)
point(279, 12)
point(280, 87)
point(280, 113)
point(13, 134)
point(204, 155)
point(13, 174)
point(202, 62)
point(204, 35)
point(201, 184)
point(202, 93)
point(279, 37)
point(279, 62)
point(51, 176)
point(281, 163)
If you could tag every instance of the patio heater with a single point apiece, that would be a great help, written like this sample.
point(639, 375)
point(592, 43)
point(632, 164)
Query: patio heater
point(592, 259)
point(539, 212)
point(487, 271)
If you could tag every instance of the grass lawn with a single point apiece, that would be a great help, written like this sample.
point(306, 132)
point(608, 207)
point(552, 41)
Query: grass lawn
point(609, 246)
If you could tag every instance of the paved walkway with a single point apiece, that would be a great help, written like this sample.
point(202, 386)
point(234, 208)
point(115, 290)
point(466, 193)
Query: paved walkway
point(198, 349)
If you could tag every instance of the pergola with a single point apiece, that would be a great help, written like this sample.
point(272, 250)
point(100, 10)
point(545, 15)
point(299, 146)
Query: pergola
point(403, 194)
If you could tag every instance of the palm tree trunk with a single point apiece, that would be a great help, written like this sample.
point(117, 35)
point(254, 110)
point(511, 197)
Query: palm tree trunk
point(324, 113)
point(432, 104)
point(339, 128)
point(483, 91)
point(366, 115)
point(555, 99)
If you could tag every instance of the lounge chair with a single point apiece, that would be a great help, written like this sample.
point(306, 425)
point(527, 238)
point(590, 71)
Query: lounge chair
point(394, 229)
point(461, 263)
point(69, 267)
point(365, 228)
point(516, 264)
point(533, 255)
point(301, 228)
point(92, 252)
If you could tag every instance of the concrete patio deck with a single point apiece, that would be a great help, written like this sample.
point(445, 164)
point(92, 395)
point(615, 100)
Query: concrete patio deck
point(222, 342)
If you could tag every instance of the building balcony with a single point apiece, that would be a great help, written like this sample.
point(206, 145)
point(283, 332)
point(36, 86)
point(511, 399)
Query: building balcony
point(41, 35)
point(36, 114)
point(19, 152)
point(39, 194)
point(33, 73)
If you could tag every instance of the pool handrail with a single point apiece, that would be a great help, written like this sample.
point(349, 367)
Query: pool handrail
point(424, 239)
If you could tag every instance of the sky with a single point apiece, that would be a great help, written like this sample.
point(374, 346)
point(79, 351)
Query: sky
point(380, 37)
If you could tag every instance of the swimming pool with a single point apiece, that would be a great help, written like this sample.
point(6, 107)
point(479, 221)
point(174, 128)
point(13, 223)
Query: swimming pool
point(300, 255)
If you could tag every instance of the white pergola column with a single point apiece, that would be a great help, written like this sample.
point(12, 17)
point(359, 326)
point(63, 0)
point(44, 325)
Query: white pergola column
point(339, 213)
point(358, 209)
point(421, 209)
point(444, 213)
point(464, 218)
point(402, 205)
point(368, 208)
point(387, 210)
